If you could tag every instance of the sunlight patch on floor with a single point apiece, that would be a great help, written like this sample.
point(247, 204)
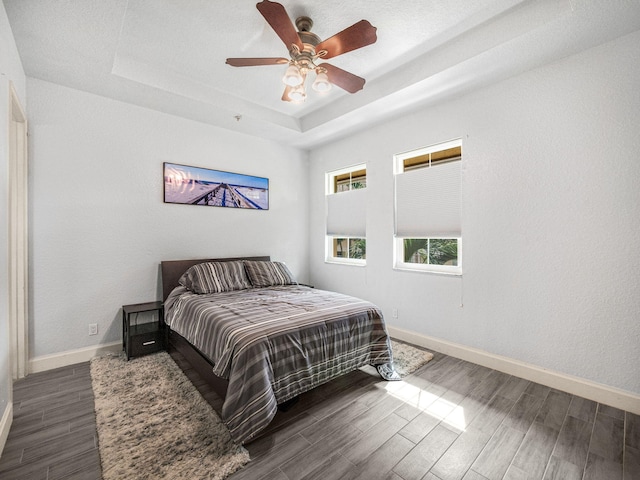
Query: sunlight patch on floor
point(430, 403)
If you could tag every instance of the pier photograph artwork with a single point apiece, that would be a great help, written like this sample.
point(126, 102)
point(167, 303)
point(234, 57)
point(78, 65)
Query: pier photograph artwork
point(203, 186)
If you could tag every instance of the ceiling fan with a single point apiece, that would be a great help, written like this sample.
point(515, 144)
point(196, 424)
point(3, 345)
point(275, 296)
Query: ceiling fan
point(305, 48)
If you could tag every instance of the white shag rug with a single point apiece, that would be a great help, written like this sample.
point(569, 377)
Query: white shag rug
point(407, 359)
point(153, 423)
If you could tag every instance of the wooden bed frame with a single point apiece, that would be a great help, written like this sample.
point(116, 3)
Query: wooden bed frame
point(172, 270)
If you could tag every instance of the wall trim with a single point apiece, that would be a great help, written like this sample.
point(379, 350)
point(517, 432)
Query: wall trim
point(5, 426)
point(597, 392)
point(71, 357)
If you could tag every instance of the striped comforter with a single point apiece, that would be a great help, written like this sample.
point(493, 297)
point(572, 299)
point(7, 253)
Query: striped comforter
point(274, 343)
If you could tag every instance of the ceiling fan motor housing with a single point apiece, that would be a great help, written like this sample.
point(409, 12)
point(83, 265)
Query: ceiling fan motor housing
point(304, 58)
point(304, 24)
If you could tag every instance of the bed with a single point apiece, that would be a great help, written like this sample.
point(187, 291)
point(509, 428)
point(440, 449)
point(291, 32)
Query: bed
point(261, 338)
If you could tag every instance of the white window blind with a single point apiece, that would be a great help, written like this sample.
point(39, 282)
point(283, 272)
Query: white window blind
point(428, 202)
point(347, 213)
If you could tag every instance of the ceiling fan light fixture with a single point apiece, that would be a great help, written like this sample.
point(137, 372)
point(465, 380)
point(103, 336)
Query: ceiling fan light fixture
point(292, 76)
point(305, 48)
point(321, 83)
point(297, 94)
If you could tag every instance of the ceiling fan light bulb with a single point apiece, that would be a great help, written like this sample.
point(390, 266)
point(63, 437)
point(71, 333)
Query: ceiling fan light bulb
point(321, 84)
point(292, 76)
point(297, 94)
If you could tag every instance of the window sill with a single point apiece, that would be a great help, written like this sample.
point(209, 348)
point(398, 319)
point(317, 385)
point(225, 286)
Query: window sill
point(347, 263)
point(431, 272)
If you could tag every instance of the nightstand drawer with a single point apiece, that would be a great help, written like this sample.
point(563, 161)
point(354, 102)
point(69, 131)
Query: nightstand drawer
point(146, 343)
point(142, 338)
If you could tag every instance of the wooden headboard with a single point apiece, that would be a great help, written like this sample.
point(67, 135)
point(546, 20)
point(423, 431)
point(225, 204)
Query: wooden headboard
point(172, 270)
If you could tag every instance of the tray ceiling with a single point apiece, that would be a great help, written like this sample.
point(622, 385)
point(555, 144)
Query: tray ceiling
point(170, 56)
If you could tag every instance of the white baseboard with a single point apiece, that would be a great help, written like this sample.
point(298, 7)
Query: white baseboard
point(5, 425)
point(71, 357)
point(597, 392)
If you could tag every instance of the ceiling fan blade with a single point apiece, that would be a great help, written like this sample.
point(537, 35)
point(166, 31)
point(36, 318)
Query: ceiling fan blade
point(252, 62)
point(343, 79)
point(356, 36)
point(277, 17)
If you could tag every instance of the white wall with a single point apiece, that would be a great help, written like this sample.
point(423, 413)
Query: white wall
point(100, 227)
point(551, 218)
point(10, 72)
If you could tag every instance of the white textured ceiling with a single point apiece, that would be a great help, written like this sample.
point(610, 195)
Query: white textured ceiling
point(169, 55)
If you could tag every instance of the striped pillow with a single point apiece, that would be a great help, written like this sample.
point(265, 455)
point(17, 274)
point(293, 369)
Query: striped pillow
point(215, 277)
point(266, 274)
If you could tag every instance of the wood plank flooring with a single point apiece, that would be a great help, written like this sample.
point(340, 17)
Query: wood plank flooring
point(450, 420)
point(53, 435)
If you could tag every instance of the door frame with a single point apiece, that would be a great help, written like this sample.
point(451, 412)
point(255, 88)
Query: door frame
point(18, 222)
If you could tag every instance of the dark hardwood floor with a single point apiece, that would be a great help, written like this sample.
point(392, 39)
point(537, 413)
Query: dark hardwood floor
point(450, 420)
point(53, 435)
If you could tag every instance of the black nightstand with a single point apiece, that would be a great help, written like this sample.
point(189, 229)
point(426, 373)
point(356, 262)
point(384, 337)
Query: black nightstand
point(144, 338)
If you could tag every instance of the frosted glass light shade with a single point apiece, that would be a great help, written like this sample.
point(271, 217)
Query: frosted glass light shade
point(297, 94)
point(292, 76)
point(321, 83)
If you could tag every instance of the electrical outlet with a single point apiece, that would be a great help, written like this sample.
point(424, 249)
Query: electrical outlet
point(394, 313)
point(93, 329)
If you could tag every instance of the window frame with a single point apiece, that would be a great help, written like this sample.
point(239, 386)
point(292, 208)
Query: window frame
point(331, 188)
point(400, 264)
point(332, 178)
point(400, 158)
point(399, 167)
point(330, 258)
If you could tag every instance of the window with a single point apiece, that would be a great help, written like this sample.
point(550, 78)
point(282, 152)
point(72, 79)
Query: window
point(352, 178)
point(346, 215)
point(425, 158)
point(430, 254)
point(348, 248)
point(427, 209)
